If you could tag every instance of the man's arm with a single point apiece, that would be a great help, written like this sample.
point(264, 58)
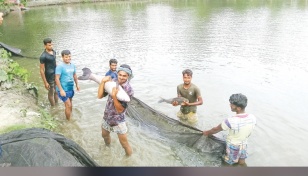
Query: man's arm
point(76, 82)
point(213, 130)
point(101, 89)
point(118, 106)
point(198, 102)
point(57, 79)
point(42, 72)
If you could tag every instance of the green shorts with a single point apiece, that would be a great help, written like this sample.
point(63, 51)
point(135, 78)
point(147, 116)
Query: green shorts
point(190, 117)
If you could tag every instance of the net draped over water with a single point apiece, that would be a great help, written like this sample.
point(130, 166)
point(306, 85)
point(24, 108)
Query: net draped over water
point(209, 149)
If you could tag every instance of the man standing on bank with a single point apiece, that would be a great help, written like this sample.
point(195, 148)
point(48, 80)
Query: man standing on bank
point(239, 126)
point(192, 93)
point(114, 115)
point(47, 70)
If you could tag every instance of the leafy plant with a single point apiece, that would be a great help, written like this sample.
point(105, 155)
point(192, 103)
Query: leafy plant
point(4, 5)
point(16, 70)
point(24, 2)
point(47, 121)
point(10, 69)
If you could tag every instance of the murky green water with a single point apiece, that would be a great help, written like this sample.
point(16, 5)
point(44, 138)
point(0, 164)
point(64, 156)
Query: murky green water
point(258, 48)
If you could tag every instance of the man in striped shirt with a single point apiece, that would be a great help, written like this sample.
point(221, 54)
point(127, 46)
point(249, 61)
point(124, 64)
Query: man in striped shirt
point(239, 126)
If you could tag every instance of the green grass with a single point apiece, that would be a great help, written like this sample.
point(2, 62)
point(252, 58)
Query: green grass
point(15, 127)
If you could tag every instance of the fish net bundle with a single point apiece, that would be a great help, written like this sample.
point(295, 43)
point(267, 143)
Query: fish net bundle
point(185, 139)
point(41, 147)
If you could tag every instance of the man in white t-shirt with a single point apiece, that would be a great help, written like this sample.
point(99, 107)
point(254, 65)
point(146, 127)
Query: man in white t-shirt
point(239, 126)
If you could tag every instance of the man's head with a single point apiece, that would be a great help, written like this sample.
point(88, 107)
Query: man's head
point(124, 73)
point(66, 56)
point(113, 64)
point(1, 19)
point(187, 76)
point(238, 102)
point(48, 44)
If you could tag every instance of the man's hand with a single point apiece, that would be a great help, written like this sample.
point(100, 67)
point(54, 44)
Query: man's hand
point(114, 92)
point(185, 103)
point(206, 133)
point(62, 93)
point(175, 103)
point(47, 86)
point(106, 79)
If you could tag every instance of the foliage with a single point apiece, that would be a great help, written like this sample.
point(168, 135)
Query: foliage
point(23, 3)
point(16, 70)
point(10, 69)
point(4, 5)
point(47, 121)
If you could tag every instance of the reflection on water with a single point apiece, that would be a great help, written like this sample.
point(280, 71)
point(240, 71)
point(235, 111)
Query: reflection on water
point(254, 47)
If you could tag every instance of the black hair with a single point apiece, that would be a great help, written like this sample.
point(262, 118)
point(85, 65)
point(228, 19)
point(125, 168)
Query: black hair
point(47, 40)
point(188, 72)
point(65, 52)
point(113, 61)
point(238, 100)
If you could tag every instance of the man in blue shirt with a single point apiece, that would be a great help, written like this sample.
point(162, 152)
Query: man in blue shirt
point(65, 78)
point(113, 69)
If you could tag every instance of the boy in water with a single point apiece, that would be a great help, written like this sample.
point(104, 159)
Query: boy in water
point(65, 78)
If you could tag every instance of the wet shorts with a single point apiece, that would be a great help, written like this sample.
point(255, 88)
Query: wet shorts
point(121, 128)
point(235, 152)
point(69, 94)
point(190, 117)
point(52, 86)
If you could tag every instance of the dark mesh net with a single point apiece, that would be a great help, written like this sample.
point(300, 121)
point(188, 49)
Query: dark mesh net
point(41, 147)
point(210, 149)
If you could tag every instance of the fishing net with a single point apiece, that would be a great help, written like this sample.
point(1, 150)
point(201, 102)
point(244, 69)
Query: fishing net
point(41, 147)
point(210, 149)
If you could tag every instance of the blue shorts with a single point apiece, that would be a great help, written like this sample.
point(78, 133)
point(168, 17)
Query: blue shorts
point(235, 152)
point(69, 94)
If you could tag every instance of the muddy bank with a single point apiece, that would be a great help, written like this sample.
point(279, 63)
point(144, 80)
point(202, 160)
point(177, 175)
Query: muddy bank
point(18, 108)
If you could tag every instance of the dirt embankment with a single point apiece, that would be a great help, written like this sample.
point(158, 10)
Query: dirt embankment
point(18, 108)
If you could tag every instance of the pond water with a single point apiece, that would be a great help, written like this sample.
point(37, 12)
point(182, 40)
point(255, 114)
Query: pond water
point(258, 48)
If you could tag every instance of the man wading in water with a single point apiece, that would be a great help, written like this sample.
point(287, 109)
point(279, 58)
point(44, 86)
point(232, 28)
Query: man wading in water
point(48, 69)
point(114, 115)
point(192, 93)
